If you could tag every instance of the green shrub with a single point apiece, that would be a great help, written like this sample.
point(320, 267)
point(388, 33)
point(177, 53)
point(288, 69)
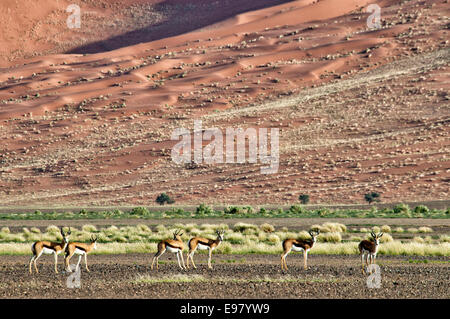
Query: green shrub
point(401, 209)
point(421, 209)
point(139, 211)
point(303, 198)
point(164, 198)
point(232, 210)
point(372, 197)
point(323, 212)
point(296, 209)
point(203, 209)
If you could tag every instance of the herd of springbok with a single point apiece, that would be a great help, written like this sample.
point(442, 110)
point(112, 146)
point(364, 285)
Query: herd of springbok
point(367, 249)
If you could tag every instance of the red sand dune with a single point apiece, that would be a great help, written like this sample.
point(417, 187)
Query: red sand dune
point(356, 109)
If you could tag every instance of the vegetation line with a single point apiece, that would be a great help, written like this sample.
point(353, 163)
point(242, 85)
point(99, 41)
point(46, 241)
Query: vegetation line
point(205, 211)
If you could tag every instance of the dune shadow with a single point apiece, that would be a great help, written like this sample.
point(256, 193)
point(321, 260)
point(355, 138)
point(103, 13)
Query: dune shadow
point(178, 18)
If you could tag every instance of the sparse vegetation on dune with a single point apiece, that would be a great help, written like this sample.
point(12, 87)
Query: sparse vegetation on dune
point(203, 211)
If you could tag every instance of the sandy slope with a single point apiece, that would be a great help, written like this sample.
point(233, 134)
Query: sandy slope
point(359, 110)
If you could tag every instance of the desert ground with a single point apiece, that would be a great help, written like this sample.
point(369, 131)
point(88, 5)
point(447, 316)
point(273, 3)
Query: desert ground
point(87, 114)
point(232, 276)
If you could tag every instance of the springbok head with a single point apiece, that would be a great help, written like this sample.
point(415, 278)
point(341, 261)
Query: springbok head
point(314, 233)
point(220, 234)
point(65, 235)
point(177, 234)
point(376, 237)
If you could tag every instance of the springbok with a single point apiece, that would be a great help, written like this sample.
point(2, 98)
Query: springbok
point(203, 244)
point(368, 249)
point(48, 248)
point(80, 249)
point(304, 245)
point(175, 245)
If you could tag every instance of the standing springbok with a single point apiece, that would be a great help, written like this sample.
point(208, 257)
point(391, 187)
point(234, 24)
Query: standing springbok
point(49, 248)
point(80, 249)
point(304, 245)
point(175, 245)
point(368, 249)
point(203, 244)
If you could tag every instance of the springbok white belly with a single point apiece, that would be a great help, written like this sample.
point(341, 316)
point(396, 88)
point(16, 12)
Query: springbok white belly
point(79, 251)
point(172, 249)
point(202, 247)
point(48, 251)
point(295, 248)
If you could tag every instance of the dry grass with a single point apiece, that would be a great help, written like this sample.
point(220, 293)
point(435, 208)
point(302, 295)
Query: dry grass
point(244, 238)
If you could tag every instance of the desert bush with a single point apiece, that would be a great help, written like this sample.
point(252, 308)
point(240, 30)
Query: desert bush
point(303, 198)
point(111, 230)
point(233, 210)
point(274, 239)
point(5, 230)
point(329, 237)
point(203, 210)
point(235, 238)
point(160, 228)
point(195, 232)
point(35, 230)
point(330, 228)
point(139, 211)
point(428, 239)
point(415, 248)
point(401, 209)
point(386, 229)
point(421, 209)
point(143, 228)
point(372, 197)
point(286, 235)
point(386, 238)
point(89, 228)
point(412, 230)
point(240, 227)
point(262, 236)
point(296, 209)
point(444, 239)
point(399, 230)
point(323, 212)
point(224, 248)
point(266, 227)
point(425, 229)
point(163, 198)
point(355, 238)
point(52, 229)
